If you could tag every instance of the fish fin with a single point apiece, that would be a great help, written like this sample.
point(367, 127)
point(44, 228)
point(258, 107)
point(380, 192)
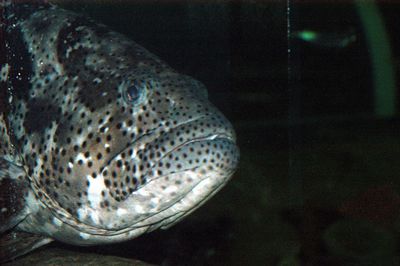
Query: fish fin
point(15, 243)
point(13, 189)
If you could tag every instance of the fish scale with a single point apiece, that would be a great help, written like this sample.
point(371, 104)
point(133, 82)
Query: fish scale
point(101, 141)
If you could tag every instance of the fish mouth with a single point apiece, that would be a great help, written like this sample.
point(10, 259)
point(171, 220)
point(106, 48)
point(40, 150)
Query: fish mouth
point(163, 202)
point(185, 182)
point(177, 170)
point(190, 153)
point(178, 181)
point(212, 137)
point(155, 135)
point(182, 206)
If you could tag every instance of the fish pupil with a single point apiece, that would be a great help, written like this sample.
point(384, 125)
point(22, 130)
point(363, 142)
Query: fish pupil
point(132, 93)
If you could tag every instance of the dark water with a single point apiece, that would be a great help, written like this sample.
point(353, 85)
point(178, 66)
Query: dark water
point(318, 179)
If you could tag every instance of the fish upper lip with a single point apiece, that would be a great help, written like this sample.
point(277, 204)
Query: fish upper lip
point(198, 139)
point(210, 137)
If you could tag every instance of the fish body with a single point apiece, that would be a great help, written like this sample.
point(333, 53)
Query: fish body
point(100, 140)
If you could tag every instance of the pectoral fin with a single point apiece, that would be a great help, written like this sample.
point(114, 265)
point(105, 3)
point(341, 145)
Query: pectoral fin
point(13, 189)
point(14, 244)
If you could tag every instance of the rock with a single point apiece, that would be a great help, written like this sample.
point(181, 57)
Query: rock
point(56, 256)
point(360, 240)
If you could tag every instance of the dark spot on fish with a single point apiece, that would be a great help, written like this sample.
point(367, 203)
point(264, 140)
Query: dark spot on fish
point(40, 116)
point(69, 36)
point(72, 54)
point(20, 62)
point(40, 25)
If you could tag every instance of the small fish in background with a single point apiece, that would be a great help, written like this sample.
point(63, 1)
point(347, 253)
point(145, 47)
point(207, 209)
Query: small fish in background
point(100, 140)
point(338, 39)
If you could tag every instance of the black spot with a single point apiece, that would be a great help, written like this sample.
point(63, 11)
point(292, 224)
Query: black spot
point(69, 36)
point(20, 62)
point(74, 56)
point(40, 116)
point(40, 25)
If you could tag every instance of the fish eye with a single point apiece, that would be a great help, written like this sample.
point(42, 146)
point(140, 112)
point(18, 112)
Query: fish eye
point(133, 92)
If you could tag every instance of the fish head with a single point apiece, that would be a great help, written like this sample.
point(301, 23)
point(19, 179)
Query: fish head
point(161, 149)
point(170, 149)
point(156, 148)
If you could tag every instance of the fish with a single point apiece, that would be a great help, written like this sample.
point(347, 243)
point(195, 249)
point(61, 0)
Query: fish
point(327, 39)
point(100, 140)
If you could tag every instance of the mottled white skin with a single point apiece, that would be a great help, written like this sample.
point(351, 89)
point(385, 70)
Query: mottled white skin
point(80, 234)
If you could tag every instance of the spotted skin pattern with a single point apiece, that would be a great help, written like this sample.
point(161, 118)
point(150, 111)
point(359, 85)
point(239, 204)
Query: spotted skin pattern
point(114, 142)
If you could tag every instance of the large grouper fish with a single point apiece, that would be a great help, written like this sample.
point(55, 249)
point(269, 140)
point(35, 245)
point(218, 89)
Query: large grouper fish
point(100, 140)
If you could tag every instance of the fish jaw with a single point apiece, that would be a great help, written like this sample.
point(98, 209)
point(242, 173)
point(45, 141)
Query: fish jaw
point(174, 180)
point(169, 198)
